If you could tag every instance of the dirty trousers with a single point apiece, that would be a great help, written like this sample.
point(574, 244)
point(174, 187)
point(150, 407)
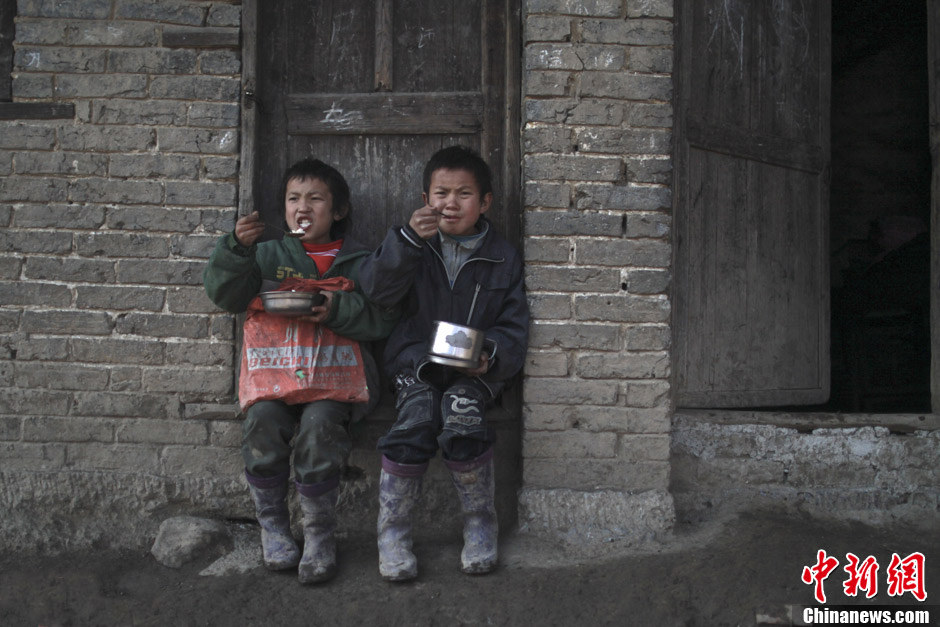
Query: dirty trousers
point(320, 448)
point(449, 416)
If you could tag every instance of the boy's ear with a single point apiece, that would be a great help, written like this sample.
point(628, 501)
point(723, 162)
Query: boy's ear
point(342, 213)
point(487, 201)
point(424, 198)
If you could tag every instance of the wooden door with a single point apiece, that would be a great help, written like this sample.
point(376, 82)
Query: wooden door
point(374, 87)
point(752, 293)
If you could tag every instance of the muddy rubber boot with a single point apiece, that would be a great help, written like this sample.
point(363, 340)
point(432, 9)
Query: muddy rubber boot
point(278, 547)
point(399, 489)
point(476, 488)
point(318, 504)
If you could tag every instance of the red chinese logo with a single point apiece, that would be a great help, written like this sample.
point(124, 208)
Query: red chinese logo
point(903, 575)
point(907, 575)
point(818, 573)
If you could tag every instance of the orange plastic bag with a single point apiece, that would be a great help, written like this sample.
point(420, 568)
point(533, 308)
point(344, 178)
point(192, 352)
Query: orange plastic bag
point(298, 361)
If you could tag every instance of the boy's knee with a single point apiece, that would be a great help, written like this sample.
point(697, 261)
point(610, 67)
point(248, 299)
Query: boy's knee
point(462, 408)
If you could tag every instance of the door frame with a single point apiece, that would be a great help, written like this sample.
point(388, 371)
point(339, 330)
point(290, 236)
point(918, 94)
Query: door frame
point(933, 87)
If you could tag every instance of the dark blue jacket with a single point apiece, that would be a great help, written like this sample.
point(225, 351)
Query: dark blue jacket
point(488, 294)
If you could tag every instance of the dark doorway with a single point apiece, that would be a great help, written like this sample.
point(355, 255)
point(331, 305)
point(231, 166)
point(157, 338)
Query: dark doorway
point(880, 207)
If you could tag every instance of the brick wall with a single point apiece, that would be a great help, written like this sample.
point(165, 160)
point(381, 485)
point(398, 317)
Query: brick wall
point(597, 118)
point(113, 364)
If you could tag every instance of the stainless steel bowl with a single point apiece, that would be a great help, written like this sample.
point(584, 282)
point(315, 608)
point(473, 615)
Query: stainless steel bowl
point(289, 303)
point(455, 345)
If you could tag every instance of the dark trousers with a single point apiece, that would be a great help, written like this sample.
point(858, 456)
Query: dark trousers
point(321, 446)
point(449, 415)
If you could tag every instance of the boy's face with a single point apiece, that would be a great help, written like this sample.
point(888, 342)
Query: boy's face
point(456, 194)
point(308, 205)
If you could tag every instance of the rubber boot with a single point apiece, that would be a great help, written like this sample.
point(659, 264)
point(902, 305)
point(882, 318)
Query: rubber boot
point(399, 489)
point(318, 504)
point(270, 498)
point(476, 487)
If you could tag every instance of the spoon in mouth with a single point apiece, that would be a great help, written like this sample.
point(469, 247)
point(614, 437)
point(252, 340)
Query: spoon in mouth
point(290, 232)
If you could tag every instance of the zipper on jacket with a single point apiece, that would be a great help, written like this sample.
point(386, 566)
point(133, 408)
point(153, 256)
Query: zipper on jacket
point(473, 304)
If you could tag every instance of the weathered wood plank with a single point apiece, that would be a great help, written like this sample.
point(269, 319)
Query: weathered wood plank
point(383, 45)
point(7, 13)
point(933, 78)
point(385, 114)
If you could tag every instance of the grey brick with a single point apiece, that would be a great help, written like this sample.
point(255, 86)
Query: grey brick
point(200, 141)
point(626, 86)
point(633, 32)
point(162, 432)
point(119, 298)
point(112, 457)
point(34, 348)
point(644, 448)
point(69, 269)
point(225, 434)
point(200, 193)
point(152, 61)
point(111, 404)
point(61, 163)
point(27, 85)
point(106, 138)
point(102, 190)
point(540, 417)
point(20, 136)
point(6, 169)
point(222, 328)
point(648, 394)
point(649, 8)
point(101, 86)
point(66, 322)
point(597, 113)
point(557, 139)
point(574, 57)
point(654, 60)
point(546, 364)
point(550, 306)
point(648, 419)
point(220, 167)
point(71, 429)
point(155, 166)
point(33, 189)
point(218, 221)
point(626, 141)
point(578, 336)
point(160, 272)
point(623, 365)
point(154, 219)
point(200, 354)
point(654, 225)
point(162, 325)
point(224, 15)
point(614, 308)
point(117, 351)
point(211, 88)
point(644, 114)
point(648, 281)
point(34, 242)
point(547, 28)
point(189, 300)
point(555, 110)
point(554, 391)
point(548, 83)
point(146, 112)
point(10, 428)
point(9, 320)
point(207, 461)
point(85, 9)
point(599, 8)
point(60, 376)
point(571, 279)
point(572, 167)
point(547, 195)
point(214, 412)
point(208, 383)
point(60, 60)
point(220, 62)
point(547, 250)
point(572, 223)
point(631, 197)
point(125, 379)
point(48, 31)
point(32, 457)
point(214, 114)
point(649, 170)
point(623, 252)
point(165, 11)
point(648, 337)
point(10, 268)
point(128, 244)
point(192, 246)
point(568, 445)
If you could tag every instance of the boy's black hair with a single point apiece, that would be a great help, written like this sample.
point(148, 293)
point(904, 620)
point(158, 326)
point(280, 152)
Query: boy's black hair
point(310, 168)
point(460, 158)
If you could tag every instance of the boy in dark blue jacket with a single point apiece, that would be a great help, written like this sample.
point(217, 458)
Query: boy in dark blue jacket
point(446, 264)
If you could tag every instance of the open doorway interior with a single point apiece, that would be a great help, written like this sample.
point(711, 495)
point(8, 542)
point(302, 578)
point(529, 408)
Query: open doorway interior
point(880, 207)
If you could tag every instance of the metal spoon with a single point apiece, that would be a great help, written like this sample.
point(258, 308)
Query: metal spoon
point(297, 233)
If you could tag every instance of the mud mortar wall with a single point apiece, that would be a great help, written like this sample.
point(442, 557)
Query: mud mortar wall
point(876, 473)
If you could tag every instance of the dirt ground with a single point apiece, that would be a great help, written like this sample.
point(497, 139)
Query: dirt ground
point(729, 573)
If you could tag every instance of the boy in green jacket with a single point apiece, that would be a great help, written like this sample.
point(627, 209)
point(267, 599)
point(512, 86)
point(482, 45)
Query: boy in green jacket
point(316, 211)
